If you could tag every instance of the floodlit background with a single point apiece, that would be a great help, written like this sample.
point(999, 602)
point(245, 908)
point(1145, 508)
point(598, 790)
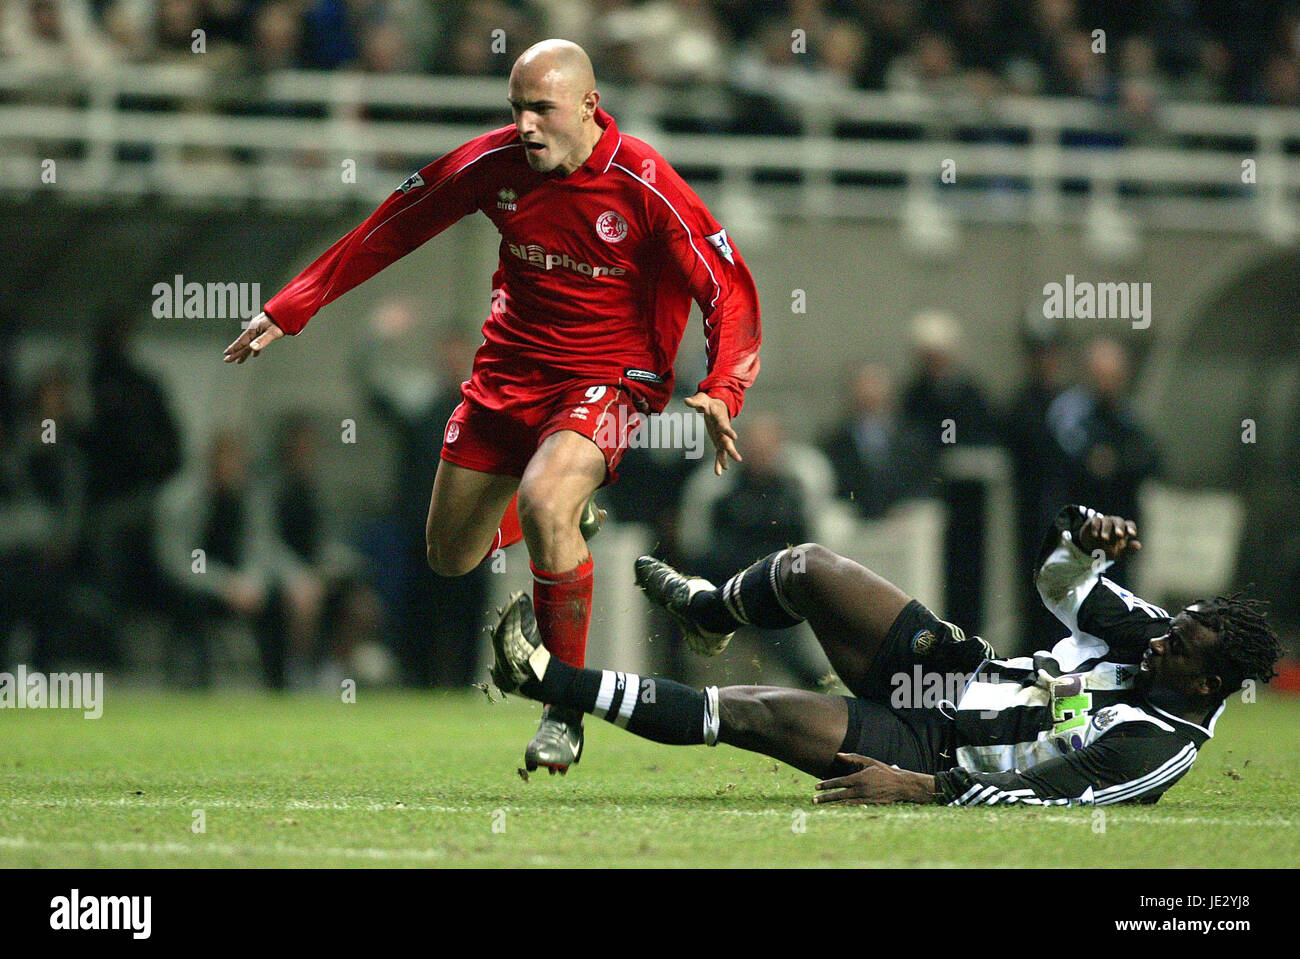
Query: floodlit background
point(1010, 255)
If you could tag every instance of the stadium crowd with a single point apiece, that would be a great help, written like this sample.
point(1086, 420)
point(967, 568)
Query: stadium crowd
point(101, 511)
point(1245, 51)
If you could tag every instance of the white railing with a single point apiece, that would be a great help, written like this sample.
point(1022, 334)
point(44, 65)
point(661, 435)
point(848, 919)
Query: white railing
point(189, 144)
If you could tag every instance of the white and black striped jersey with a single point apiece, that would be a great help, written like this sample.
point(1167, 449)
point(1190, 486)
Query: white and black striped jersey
point(1066, 726)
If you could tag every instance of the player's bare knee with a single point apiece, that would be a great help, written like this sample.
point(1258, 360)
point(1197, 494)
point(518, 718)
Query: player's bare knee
point(446, 562)
point(544, 513)
point(802, 568)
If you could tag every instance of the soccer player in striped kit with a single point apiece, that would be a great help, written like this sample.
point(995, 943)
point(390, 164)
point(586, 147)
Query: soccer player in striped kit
point(603, 249)
point(1116, 711)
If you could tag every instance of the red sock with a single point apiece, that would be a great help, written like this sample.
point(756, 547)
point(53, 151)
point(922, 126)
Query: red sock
point(509, 532)
point(562, 602)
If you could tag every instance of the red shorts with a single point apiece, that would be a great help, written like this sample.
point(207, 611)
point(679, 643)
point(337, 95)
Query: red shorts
point(503, 441)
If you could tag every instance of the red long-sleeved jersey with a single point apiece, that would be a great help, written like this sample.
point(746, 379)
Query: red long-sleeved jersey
point(597, 272)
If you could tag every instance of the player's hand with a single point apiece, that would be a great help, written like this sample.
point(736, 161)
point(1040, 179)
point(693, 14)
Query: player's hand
point(261, 332)
point(1113, 535)
point(718, 420)
point(875, 783)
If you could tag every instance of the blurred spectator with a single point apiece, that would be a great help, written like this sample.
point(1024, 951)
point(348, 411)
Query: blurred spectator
point(773, 83)
point(770, 502)
point(948, 408)
point(1038, 468)
point(340, 613)
point(25, 525)
point(672, 42)
point(1282, 80)
point(217, 544)
point(764, 509)
point(1108, 452)
point(385, 48)
point(332, 32)
point(54, 36)
point(229, 21)
point(650, 480)
point(277, 33)
point(472, 47)
point(929, 68)
point(134, 446)
point(940, 390)
point(1141, 89)
point(743, 20)
point(438, 617)
point(174, 29)
point(43, 515)
point(841, 52)
point(879, 459)
point(982, 32)
point(893, 26)
point(1076, 70)
point(1241, 50)
point(128, 27)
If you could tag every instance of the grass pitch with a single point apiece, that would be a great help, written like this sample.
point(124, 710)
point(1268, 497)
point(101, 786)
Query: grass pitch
point(408, 779)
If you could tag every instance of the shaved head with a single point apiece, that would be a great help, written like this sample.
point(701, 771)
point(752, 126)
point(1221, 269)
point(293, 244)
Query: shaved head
point(561, 60)
point(553, 97)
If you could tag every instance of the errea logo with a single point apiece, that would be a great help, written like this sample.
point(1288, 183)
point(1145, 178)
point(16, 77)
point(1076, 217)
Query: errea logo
point(506, 198)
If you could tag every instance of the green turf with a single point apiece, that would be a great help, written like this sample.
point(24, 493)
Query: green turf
point(421, 780)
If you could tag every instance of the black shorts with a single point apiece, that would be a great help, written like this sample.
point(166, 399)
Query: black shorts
point(921, 738)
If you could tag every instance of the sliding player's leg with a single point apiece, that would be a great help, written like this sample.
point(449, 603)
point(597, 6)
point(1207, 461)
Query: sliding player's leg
point(803, 729)
point(853, 612)
point(872, 632)
point(849, 608)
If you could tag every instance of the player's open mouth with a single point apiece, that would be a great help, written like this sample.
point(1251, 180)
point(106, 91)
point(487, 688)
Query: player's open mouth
point(534, 147)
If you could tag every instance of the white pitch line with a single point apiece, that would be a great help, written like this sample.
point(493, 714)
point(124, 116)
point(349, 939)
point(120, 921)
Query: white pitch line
point(202, 847)
point(1121, 814)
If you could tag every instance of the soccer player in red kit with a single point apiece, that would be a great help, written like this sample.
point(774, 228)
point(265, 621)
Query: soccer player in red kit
point(603, 249)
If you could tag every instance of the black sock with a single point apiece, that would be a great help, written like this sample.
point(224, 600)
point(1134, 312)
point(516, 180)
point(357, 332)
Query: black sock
point(752, 597)
point(658, 709)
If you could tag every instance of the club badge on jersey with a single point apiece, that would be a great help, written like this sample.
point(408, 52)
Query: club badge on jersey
point(611, 227)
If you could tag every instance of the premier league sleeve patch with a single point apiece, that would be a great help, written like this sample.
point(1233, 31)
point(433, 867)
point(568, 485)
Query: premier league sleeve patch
point(722, 245)
point(413, 181)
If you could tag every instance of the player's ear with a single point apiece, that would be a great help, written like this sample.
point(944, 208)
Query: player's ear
point(590, 102)
point(1210, 686)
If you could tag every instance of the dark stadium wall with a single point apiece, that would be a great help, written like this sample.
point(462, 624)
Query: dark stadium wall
point(857, 282)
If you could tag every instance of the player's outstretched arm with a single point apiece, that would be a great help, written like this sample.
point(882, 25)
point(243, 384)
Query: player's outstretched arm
point(875, 783)
point(718, 420)
point(261, 332)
